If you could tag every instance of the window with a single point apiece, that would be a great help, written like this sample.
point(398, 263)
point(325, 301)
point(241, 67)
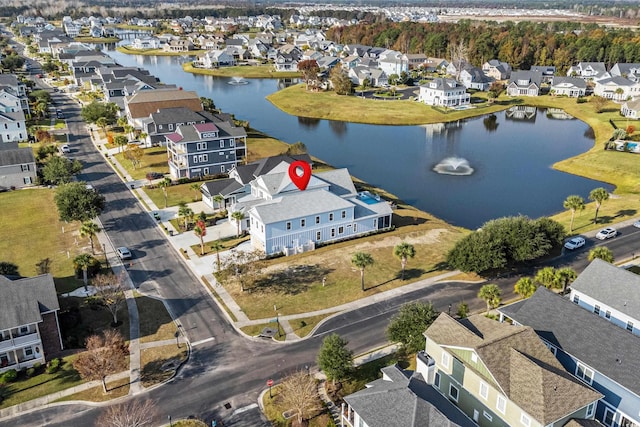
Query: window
point(591, 409)
point(501, 404)
point(340, 230)
point(330, 217)
point(596, 309)
point(343, 214)
point(170, 127)
point(436, 380)
point(608, 417)
point(24, 330)
point(333, 232)
point(552, 348)
point(453, 392)
point(222, 168)
point(474, 357)
point(5, 126)
point(317, 220)
point(201, 146)
point(484, 390)
point(28, 351)
point(222, 143)
point(584, 373)
point(576, 299)
point(630, 326)
point(24, 168)
point(231, 143)
point(525, 420)
point(318, 235)
point(27, 180)
point(159, 126)
point(221, 153)
point(288, 225)
point(487, 415)
point(445, 359)
point(302, 222)
point(607, 314)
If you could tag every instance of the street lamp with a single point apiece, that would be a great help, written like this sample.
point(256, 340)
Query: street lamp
point(104, 251)
point(170, 424)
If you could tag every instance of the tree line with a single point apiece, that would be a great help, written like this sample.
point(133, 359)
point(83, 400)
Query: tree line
point(523, 44)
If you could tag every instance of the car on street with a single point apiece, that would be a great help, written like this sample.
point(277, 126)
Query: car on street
point(607, 233)
point(637, 224)
point(574, 243)
point(156, 215)
point(123, 253)
point(65, 149)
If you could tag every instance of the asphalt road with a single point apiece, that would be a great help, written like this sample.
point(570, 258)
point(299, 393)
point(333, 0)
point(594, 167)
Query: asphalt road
point(227, 369)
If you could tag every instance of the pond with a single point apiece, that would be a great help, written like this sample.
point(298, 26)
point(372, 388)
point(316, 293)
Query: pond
point(509, 154)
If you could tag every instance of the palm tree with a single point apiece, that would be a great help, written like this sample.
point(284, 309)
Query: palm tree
point(573, 203)
point(362, 260)
point(525, 287)
point(200, 230)
point(89, 229)
point(601, 252)
point(164, 184)
point(102, 123)
point(491, 294)
point(565, 277)
point(217, 246)
point(40, 108)
point(218, 199)
point(128, 129)
point(403, 251)
point(238, 216)
point(547, 277)
point(185, 212)
point(598, 195)
point(196, 188)
point(122, 121)
point(83, 262)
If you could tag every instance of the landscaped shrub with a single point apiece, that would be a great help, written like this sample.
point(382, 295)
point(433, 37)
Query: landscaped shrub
point(30, 372)
point(581, 100)
point(4, 392)
point(53, 366)
point(9, 376)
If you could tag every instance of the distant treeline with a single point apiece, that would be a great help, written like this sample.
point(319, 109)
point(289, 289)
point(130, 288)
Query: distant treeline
point(521, 45)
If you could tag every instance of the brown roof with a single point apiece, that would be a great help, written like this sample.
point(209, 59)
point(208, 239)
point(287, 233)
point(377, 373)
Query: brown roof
point(145, 102)
point(519, 363)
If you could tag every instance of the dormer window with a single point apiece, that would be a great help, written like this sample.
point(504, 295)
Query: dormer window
point(170, 126)
point(523, 82)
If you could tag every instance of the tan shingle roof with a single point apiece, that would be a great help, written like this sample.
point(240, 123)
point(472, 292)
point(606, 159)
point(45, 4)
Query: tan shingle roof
point(521, 365)
point(145, 102)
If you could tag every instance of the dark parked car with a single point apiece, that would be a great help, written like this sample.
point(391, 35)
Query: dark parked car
point(154, 175)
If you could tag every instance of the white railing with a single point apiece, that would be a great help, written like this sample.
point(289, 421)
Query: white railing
point(26, 339)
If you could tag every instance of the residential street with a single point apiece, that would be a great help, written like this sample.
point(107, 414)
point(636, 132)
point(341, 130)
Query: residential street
point(225, 368)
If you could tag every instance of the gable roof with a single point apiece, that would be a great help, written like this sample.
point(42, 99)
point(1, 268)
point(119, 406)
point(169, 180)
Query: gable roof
point(24, 300)
point(574, 330)
point(143, 103)
point(611, 285)
point(11, 155)
point(519, 364)
point(405, 400)
point(249, 172)
point(300, 204)
point(569, 81)
point(531, 77)
point(224, 187)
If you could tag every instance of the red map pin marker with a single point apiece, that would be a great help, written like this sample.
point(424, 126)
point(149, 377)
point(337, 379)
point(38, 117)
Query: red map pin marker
point(301, 180)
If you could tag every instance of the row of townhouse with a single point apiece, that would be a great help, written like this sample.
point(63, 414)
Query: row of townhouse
point(549, 361)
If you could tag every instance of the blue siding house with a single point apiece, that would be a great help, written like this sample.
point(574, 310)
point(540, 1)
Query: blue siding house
point(595, 350)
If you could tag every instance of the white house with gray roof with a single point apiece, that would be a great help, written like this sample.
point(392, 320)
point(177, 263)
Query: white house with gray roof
point(602, 355)
point(616, 88)
point(610, 292)
point(589, 70)
point(573, 87)
point(401, 398)
point(444, 92)
point(524, 83)
point(284, 219)
point(29, 326)
point(17, 166)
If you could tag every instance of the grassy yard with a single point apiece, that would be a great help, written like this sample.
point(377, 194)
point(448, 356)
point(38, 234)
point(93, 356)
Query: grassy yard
point(260, 145)
point(25, 389)
point(227, 243)
point(256, 330)
point(154, 160)
point(176, 194)
point(159, 363)
point(27, 221)
point(155, 322)
point(157, 52)
point(294, 283)
point(92, 320)
point(296, 100)
point(115, 389)
point(247, 71)
point(273, 409)
point(303, 327)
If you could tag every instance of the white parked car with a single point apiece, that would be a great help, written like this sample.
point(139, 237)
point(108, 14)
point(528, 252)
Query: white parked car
point(607, 233)
point(574, 243)
point(64, 148)
point(123, 253)
point(637, 224)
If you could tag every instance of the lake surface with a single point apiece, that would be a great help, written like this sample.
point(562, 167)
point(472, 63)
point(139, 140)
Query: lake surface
point(511, 153)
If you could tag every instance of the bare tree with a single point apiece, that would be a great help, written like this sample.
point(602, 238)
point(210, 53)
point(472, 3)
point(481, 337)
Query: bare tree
point(110, 292)
point(245, 266)
point(106, 354)
point(299, 393)
point(134, 413)
point(459, 54)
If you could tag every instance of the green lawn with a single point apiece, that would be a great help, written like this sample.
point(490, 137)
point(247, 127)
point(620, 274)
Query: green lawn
point(247, 71)
point(227, 243)
point(155, 322)
point(154, 160)
point(115, 389)
point(31, 217)
point(176, 194)
point(26, 389)
point(154, 362)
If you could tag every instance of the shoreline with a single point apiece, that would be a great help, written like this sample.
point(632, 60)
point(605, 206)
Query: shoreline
point(157, 52)
point(246, 72)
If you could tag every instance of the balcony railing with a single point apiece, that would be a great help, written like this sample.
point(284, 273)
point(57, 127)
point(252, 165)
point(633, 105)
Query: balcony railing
point(20, 341)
